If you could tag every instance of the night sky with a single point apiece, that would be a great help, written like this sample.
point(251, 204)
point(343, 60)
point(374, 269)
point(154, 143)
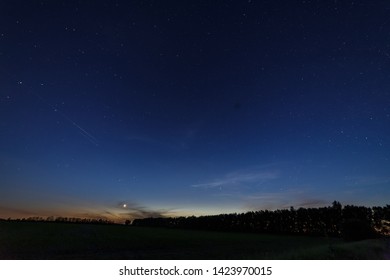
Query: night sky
point(192, 107)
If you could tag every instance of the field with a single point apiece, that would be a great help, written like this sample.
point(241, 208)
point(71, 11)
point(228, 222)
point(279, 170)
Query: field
point(29, 240)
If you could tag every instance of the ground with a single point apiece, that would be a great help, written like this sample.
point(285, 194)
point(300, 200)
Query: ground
point(25, 240)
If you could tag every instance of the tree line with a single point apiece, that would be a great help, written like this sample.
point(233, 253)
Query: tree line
point(53, 219)
point(351, 222)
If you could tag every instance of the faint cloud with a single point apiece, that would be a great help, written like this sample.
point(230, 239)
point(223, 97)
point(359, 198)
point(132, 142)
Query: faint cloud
point(240, 178)
point(365, 180)
point(15, 212)
point(284, 199)
point(311, 202)
point(132, 210)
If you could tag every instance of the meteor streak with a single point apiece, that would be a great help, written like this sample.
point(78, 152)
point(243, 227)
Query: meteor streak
point(83, 132)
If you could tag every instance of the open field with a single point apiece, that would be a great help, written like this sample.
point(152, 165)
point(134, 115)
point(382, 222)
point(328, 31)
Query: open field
point(29, 240)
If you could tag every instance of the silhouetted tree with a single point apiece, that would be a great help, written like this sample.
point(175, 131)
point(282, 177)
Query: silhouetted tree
point(358, 223)
point(351, 222)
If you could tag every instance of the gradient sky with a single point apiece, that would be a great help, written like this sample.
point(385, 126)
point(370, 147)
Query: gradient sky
point(192, 107)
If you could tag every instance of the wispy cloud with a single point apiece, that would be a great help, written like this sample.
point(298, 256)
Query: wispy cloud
point(15, 211)
point(132, 210)
point(366, 180)
point(283, 199)
point(240, 178)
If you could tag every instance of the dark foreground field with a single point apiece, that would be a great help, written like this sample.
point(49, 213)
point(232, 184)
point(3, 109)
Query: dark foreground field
point(24, 240)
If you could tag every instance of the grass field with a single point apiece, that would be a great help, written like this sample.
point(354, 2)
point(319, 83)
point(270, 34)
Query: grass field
point(25, 240)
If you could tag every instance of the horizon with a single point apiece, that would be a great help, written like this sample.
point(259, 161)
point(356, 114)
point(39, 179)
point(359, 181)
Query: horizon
point(192, 107)
point(118, 219)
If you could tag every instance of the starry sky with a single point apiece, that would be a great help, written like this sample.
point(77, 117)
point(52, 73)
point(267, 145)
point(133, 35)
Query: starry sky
point(192, 107)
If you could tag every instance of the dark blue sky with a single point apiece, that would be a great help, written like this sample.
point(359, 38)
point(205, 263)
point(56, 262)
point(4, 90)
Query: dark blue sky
point(192, 107)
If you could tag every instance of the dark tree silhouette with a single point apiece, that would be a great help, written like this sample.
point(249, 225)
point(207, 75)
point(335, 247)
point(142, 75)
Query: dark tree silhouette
point(350, 222)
